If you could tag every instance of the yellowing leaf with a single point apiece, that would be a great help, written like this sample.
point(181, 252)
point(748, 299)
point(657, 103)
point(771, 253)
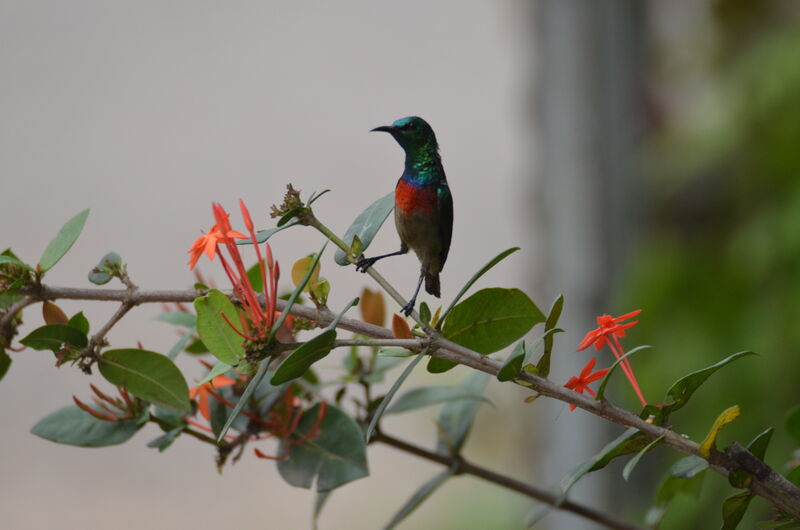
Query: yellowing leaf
point(400, 327)
point(299, 270)
point(373, 307)
point(436, 315)
point(727, 416)
point(53, 314)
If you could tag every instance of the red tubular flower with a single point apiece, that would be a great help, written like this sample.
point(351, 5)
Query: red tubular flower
point(608, 325)
point(108, 408)
point(202, 392)
point(609, 331)
point(580, 384)
point(260, 319)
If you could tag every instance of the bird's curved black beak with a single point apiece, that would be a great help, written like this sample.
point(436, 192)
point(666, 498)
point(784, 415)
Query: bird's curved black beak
point(384, 128)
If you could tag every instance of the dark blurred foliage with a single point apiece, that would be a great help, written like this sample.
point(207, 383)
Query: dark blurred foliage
point(717, 269)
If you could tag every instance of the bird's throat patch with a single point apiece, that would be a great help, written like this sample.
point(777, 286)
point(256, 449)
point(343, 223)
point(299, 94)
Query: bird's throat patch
point(412, 198)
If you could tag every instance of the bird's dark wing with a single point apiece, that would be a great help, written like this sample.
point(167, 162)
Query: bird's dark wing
point(445, 203)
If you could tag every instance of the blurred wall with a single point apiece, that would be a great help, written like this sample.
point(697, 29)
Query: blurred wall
point(148, 111)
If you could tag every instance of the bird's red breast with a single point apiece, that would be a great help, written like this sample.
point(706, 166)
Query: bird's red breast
point(410, 198)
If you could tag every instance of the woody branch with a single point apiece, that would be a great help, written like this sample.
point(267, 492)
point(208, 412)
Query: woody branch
point(766, 483)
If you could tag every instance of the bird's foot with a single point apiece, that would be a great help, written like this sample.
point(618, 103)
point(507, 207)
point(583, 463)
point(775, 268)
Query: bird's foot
point(408, 308)
point(365, 263)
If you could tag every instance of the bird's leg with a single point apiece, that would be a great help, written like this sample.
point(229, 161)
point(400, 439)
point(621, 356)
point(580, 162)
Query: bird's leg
point(365, 263)
point(409, 307)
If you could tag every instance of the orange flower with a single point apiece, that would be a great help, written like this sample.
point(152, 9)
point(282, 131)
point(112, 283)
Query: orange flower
point(260, 319)
point(608, 325)
point(207, 243)
point(609, 331)
point(202, 392)
point(581, 383)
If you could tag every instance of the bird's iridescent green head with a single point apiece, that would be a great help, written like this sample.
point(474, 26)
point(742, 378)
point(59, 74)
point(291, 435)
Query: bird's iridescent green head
point(412, 133)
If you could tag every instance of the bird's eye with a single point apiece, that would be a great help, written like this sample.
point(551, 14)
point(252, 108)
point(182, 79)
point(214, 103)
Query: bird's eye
point(411, 126)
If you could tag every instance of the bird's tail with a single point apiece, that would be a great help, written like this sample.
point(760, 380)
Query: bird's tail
point(432, 284)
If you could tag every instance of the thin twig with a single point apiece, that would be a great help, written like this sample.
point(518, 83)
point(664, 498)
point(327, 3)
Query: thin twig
point(98, 338)
point(194, 434)
point(533, 492)
point(11, 313)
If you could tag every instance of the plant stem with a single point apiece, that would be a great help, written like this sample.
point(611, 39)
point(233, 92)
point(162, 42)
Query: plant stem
point(533, 492)
point(313, 221)
point(767, 483)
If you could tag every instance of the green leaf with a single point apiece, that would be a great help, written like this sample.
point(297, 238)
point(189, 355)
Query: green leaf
point(392, 391)
point(670, 488)
point(419, 497)
point(520, 358)
point(220, 339)
point(793, 424)
point(628, 469)
point(683, 389)
point(491, 319)
point(366, 225)
point(63, 241)
point(601, 390)
point(255, 381)
point(689, 466)
point(181, 344)
point(475, 277)
point(301, 359)
point(794, 476)
point(733, 509)
point(380, 367)
point(631, 441)
point(79, 322)
point(102, 273)
point(289, 216)
point(437, 365)
point(543, 366)
point(314, 196)
point(255, 278)
point(321, 499)
point(760, 443)
point(264, 235)
point(512, 366)
point(165, 440)
point(172, 417)
point(5, 363)
point(424, 313)
point(544, 360)
point(11, 260)
point(431, 395)
point(266, 395)
point(179, 318)
point(335, 456)
point(72, 426)
point(53, 336)
point(218, 369)
point(149, 375)
point(456, 417)
point(196, 348)
point(219, 412)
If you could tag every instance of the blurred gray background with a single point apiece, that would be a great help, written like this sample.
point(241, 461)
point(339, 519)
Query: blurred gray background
point(148, 111)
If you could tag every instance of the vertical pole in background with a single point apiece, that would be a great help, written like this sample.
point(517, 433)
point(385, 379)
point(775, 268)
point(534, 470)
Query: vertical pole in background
point(589, 124)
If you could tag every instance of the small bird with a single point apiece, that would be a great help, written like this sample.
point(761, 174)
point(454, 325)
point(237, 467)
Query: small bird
point(423, 205)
